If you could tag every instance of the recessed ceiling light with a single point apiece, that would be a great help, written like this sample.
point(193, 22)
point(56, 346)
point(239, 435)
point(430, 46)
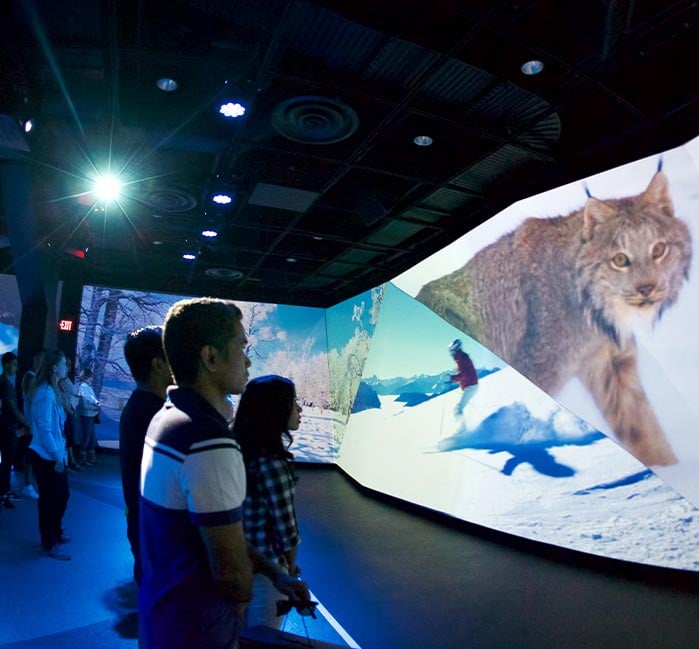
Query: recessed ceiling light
point(189, 256)
point(532, 67)
point(28, 126)
point(423, 140)
point(222, 199)
point(166, 84)
point(210, 234)
point(232, 109)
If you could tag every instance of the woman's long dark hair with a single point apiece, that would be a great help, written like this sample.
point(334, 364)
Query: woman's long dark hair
point(261, 423)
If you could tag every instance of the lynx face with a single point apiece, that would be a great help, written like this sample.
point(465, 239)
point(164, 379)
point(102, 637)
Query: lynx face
point(633, 260)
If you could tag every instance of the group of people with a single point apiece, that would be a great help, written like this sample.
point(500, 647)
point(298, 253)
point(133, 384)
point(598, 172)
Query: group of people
point(209, 495)
point(38, 439)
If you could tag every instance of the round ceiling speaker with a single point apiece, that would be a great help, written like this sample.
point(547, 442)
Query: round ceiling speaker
point(223, 273)
point(314, 120)
point(169, 200)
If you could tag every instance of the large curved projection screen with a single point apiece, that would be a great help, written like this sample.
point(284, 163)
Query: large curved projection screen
point(582, 431)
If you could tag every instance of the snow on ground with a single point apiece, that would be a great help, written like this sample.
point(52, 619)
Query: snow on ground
point(553, 480)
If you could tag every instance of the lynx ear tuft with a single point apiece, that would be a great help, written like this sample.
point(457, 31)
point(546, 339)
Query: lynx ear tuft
point(595, 212)
point(658, 194)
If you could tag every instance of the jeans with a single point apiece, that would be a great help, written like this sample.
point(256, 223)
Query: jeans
point(88, 441)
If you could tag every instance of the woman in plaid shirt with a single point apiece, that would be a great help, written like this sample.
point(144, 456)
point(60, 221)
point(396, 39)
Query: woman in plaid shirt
point(268, 410)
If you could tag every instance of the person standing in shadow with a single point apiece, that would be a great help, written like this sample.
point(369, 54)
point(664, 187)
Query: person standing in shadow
point(13, 425)
point(22, 456)
point(145, 357)
point(267, 411)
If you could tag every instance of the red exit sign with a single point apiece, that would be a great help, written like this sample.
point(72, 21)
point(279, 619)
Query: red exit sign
point(66, 324)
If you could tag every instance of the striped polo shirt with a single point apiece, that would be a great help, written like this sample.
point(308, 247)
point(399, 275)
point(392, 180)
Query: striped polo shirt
point(192, 476)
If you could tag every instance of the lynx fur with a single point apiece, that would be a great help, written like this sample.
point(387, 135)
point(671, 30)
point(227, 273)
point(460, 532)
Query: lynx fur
point(557, 298)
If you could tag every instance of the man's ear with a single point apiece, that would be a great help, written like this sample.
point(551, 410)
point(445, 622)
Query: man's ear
point(158, 365)
point(209, 356)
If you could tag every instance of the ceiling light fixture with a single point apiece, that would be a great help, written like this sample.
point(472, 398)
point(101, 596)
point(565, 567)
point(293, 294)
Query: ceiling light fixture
point(222, 199)
point(166, 84)
point(209, 234)
point(530, 68)
point(190, 250)
point(107, 187)
point(28, 126)
point(232, 109)
point(422, 140)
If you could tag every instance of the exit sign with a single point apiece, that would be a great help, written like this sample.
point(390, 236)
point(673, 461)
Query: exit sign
point(66, 324)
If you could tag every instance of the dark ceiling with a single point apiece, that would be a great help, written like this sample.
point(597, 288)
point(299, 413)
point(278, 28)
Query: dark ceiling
point(331, 195)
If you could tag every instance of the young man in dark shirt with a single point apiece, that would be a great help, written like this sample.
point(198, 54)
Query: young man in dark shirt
point(145, 357)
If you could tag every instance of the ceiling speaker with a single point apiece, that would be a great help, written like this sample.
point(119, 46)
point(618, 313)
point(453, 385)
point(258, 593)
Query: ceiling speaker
point(223, 273)
point(169, 200)
point(314, 120)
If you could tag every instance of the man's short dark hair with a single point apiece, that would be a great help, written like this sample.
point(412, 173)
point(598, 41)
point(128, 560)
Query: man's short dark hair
point(140, 348)
point(192, 324)
point(7, 358)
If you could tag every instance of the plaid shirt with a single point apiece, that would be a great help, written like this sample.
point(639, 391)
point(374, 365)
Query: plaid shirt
point(268, 512)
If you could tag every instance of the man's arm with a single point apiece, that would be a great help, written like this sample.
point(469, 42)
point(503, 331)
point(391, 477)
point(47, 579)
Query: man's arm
point(229, 561)
point(27, 382)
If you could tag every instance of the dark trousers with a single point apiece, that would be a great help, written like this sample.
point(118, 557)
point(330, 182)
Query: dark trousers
point(53, 498)
point(22, 452)
point(132, 535)
point(8, 442)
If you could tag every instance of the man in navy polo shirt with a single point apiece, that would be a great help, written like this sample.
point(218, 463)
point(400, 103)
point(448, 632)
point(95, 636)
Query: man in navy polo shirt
point(197, 567)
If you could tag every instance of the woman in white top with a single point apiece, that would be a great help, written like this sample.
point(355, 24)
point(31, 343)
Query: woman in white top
point(87, 410)
point(48, 453)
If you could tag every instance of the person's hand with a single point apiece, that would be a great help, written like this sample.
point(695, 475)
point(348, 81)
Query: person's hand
point(293, 587)
point(60, 466)
point(239, 609)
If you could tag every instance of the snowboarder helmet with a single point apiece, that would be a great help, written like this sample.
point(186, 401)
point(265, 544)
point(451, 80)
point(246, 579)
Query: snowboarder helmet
point(455, 345)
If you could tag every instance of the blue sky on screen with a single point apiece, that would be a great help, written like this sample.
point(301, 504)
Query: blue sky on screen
point(410, 339)
point(339, 316)
point(301, 323)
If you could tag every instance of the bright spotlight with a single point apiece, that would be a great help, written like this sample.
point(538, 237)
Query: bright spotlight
point(232, 109)
point(222, 199)
point(107, 187)
point(209, 234)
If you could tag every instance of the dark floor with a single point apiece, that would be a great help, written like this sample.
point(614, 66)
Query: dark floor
point(391, 578)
